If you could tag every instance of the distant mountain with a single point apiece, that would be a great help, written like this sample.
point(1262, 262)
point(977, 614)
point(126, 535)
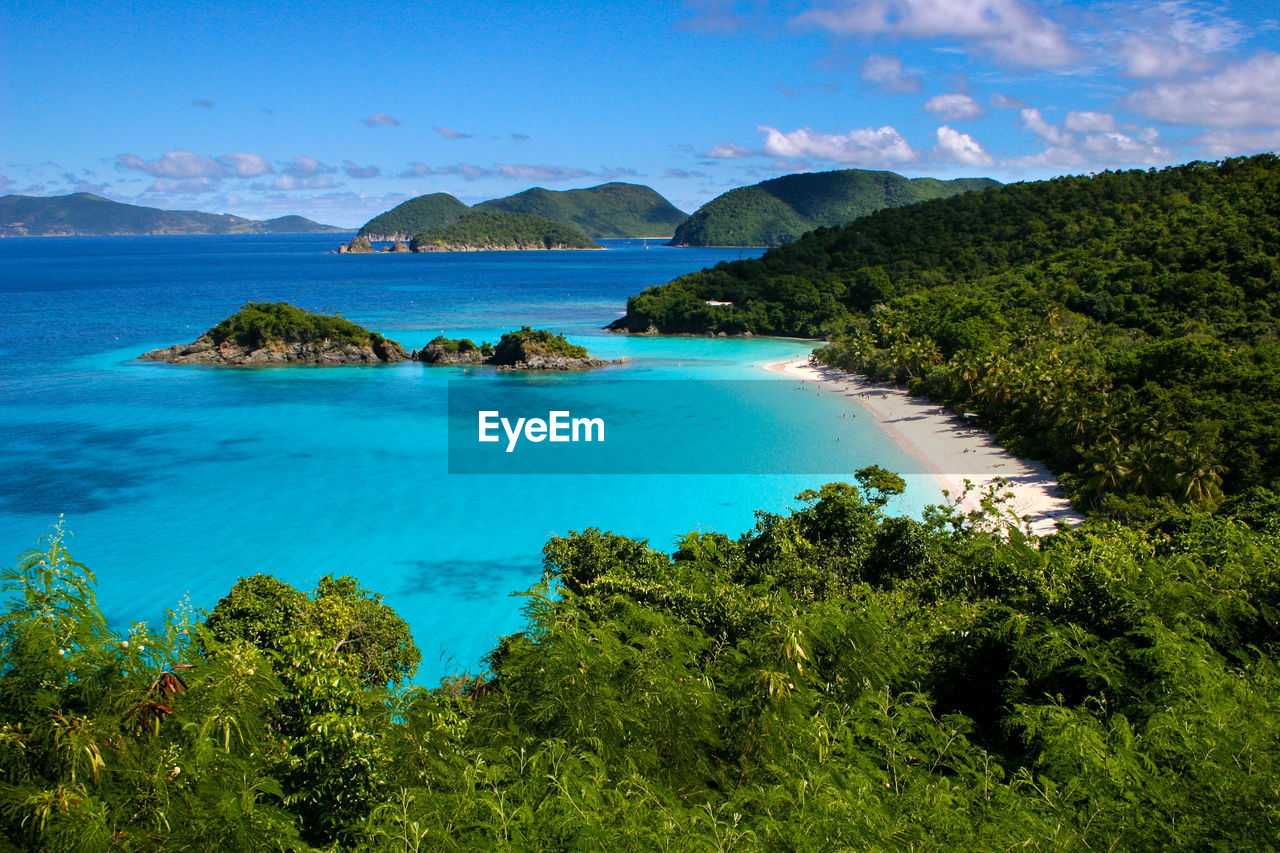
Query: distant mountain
point(778, 211)
point(88, 215)
point(424, 213)
point(609, 210)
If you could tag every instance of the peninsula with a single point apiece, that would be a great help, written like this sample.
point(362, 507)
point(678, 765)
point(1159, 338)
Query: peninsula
point(277, 333)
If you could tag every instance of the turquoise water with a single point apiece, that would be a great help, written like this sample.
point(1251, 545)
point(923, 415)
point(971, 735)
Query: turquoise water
point(177, 480)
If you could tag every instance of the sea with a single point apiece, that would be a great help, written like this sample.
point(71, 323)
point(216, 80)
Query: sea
point(174, 481)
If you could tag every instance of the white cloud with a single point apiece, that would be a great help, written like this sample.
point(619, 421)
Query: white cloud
point(526, 171)
point(177, 164)
point(450, 133)
point(670, 173)
point(1095, 146)
point(865, 146)
point(954, 107)
point(728, 151)
point(305, 167)
point(360, 172)
point(182, 186)
point(890, 74)
point(1050, 133)
point(1227, 143)
point(1010, 30)
point(246, 165)
point(292, 183)
point(956, 147)
point(1244, 95)
point(1085, 121)
point(381, 120)
point(1172, 37)
point(1005, 102)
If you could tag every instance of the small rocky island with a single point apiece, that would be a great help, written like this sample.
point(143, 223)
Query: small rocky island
point(277, 333)
point(487, 232)
point(526, 349)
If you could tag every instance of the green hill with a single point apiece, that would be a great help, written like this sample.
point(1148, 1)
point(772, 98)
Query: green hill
point(86, 215)
point(1124, 327)
point(780, 210)
point(609, 210)
point(500, 232)
point(414, 217)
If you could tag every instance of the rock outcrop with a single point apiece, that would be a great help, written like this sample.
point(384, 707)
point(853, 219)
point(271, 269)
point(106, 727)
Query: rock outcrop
point(204, 350)
point(527, 349)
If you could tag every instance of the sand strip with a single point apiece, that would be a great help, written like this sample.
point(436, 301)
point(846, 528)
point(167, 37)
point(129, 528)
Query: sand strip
point(951, 449)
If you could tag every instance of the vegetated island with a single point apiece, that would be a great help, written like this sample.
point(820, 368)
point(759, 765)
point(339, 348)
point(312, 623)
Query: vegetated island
point(491, 232)
point(608, 211)
point(1121, 327)
point(89, 215)
point(525, 349)
point(277, 333)
point(778, 211)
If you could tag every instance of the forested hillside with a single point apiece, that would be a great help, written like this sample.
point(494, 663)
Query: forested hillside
point(481, 230)
point(609, 210)
point(415, 216)
point(778, 211)
point(1123, 326)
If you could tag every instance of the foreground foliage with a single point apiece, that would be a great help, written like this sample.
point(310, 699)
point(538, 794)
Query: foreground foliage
point(837, 678)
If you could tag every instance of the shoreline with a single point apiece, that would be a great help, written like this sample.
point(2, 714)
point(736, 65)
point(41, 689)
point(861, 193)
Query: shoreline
point(950, 450)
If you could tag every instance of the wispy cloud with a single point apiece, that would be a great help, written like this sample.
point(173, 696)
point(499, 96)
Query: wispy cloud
point(381, 120)
point(246, 165)
point(202, 102)
point(1009, 31)
point(727, 151)
point(519, 137)
point(306, 167)
point(1091, 146)
point(889, 73)
point(682, 174)
point(360, 172)
point(450, 133)
point(954, 107)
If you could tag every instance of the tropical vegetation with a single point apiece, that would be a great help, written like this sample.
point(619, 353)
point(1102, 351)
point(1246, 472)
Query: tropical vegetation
point(415, 216)
point(260, 323)
point(778, 211)
point(836, 678)
point(609, 210)
point(502, 231)
point(1124, 327)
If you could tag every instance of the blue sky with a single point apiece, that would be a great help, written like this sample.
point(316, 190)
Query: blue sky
point(339, 111)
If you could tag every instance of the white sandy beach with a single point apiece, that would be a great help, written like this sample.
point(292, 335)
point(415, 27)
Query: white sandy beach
point(950, 449)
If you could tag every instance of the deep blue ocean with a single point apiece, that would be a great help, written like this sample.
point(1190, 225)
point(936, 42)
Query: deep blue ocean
point(176, 481)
